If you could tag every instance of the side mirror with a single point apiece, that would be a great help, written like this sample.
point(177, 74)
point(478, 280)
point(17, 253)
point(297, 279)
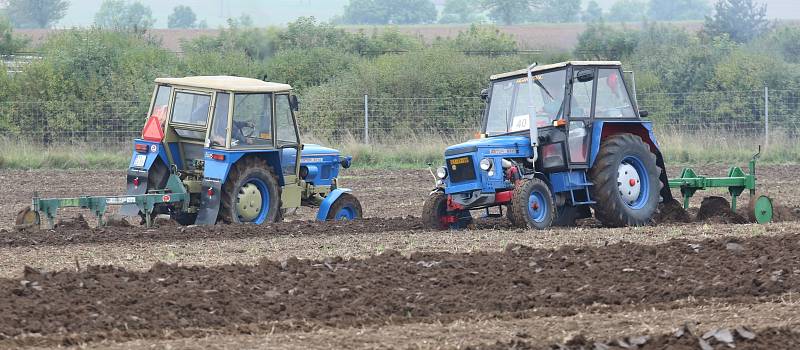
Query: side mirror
point(485, 95)
point(644, 114)
point(294, 103)
point(585, 75)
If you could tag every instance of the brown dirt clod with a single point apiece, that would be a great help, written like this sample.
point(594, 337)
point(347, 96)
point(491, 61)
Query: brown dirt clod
point(671, 212)
point(718, 210)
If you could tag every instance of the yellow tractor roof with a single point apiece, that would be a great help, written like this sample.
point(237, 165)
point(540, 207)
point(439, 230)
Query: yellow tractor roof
point(227, 83)
point(554, 66)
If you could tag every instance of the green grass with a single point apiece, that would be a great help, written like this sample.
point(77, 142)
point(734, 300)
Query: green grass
point(679, 149)
point(26, 156)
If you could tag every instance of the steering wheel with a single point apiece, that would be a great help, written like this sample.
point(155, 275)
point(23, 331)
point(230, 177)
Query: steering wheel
point(245, 129)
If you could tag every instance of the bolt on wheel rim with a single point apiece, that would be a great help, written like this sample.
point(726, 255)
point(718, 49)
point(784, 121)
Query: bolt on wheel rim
point(249, 202)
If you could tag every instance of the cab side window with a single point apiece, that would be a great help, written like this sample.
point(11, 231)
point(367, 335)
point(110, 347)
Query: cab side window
point(219, 126)
point(252, 120)
point(285, 133)
point(191, 108)
point(612, 96)
point(581, 104)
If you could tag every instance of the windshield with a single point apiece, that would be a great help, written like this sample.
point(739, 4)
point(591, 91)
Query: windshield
point(509, 101)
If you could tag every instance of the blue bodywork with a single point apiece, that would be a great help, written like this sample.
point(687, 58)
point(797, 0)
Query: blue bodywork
point(495, 148)
point(326, 204)
point(480, 192)
point(320, 164)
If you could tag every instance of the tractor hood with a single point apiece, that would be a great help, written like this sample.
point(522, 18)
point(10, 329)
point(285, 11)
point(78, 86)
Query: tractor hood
point(511, 145)
point(311, 149)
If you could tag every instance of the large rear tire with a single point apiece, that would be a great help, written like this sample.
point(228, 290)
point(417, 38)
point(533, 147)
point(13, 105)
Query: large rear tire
point(434, 214)
point(345, 208)
point(532, 205)
point(626, 182)
point(251, 194)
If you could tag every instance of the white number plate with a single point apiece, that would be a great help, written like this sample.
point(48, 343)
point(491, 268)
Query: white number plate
point(120, 200)
point(520, 122)
point(140, 159)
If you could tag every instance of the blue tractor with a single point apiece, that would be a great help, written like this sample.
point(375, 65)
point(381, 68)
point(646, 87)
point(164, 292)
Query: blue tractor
point(220, 149)
point(558, 143)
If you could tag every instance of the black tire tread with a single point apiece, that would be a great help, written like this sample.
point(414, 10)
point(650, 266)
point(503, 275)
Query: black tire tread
point(227, 211)
point(431, 209)
point(604, 176)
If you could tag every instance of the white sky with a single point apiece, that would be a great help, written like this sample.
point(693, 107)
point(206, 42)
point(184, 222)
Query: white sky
point(279, 12)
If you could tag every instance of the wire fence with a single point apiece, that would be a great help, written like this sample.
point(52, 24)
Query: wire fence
point(371, 119)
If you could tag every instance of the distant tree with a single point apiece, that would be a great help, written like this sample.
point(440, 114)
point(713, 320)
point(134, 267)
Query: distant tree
point(244, 21)
point(628, 11)
point(118, 15)
point(8, 43)
point(558, 11)
point(481, 40)
point(460, 11)
point(741, 20)
point(509, 12)
point(36, 13)
point(593, 13)
point(604, 42)
point(389, 12)
point(678, 10)
point(182, 17)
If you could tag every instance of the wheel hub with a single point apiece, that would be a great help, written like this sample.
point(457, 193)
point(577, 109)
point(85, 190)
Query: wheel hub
point(536, 209)
point(249, 202)
point(629, 183)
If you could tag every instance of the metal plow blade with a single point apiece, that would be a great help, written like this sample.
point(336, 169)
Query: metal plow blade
point(27, 218)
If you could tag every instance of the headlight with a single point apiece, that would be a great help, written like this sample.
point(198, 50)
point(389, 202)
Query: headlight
point(486, 164)
point(441, 173)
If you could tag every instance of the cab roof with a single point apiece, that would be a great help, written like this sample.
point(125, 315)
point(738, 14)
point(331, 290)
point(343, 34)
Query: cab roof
point(554, 66)
point(227, 83)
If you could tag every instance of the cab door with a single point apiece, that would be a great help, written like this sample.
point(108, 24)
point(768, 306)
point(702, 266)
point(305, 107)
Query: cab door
point(287, 139)
point(581, 113)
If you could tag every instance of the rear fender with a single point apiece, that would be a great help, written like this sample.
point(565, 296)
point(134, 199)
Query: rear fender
point(326, 204)
point(220, 169)
point(138, 169)
point(216, 173)
point(644, 129)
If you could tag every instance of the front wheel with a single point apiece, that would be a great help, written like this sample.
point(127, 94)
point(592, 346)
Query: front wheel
point(532, 205)
point(345, 208)
point(436, 217)
point(626, 182)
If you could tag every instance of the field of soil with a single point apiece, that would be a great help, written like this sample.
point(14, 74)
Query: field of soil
point(384, 282)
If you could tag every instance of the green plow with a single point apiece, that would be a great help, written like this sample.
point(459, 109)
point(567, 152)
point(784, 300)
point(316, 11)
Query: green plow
point(759, 208)
point(31, 217)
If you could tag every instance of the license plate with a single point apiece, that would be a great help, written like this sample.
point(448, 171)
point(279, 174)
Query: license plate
point(120, 200)
point(459, 161)
point(140, 160)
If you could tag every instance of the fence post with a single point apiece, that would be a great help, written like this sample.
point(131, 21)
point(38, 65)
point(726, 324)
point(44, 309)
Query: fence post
point(366, 119)
point(766, 117)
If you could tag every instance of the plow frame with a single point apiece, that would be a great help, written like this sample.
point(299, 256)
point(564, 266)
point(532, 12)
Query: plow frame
point(760, 207)
point(175, 192)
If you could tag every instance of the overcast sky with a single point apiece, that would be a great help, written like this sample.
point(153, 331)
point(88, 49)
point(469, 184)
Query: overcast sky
point(279, 12)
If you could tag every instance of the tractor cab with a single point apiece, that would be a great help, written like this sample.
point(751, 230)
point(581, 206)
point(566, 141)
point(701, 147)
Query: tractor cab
point(546, 124)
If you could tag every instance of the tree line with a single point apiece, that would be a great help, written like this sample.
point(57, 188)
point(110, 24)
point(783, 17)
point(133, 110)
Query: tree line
point(121, 14)
point(331, 68)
